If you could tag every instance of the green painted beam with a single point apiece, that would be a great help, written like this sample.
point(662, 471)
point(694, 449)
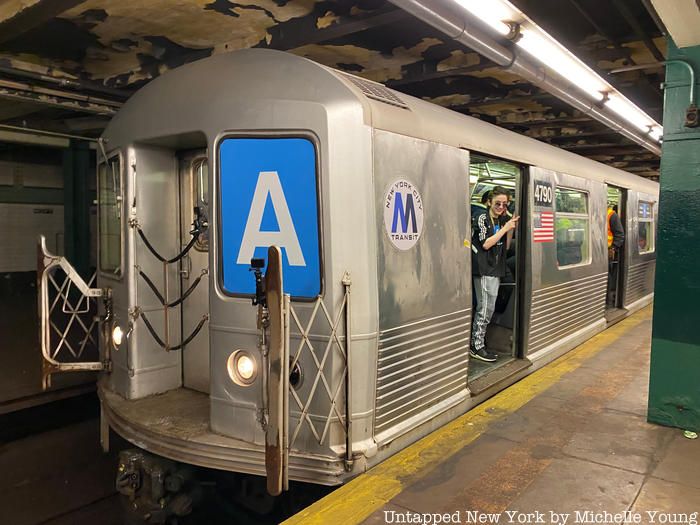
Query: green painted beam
point(674, 384)
point(76, 212)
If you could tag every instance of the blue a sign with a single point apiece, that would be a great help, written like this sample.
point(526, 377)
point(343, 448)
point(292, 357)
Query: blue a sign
point(269, 197)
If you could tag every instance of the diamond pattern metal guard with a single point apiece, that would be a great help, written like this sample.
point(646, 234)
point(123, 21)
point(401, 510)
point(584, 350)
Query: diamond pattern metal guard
point(72, 318)
point(68, 314)
point(320, 385)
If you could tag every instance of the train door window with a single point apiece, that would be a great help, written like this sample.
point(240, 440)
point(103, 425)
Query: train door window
point(498, 334)
point(110, 215)
point(572, 226)
point(646, 239)
point(200, 197)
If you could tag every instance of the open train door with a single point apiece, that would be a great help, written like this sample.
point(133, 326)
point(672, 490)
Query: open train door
point(616, 228)
point(69, 319)
point(277, 433)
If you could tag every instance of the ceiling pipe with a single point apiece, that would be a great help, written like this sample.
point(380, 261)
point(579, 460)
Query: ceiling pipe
point(56, 101)
point(69, 95)
point(684, 63)
point(637, 67)
point(81, 85)
point(45, 133)
point(467, 30)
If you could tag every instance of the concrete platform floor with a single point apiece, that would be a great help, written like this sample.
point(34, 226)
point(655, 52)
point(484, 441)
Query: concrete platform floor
point(571, 437)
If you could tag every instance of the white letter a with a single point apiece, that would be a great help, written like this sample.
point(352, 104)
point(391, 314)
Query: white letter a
point(286, 237)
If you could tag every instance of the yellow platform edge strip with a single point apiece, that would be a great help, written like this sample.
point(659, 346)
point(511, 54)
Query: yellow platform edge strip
point(358, 499)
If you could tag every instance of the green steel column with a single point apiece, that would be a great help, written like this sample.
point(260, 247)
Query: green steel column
point(76, 212)
point(674, 386)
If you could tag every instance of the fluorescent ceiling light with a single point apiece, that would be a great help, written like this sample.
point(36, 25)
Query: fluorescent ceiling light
point(656, 133)
point(548, 51)
point(629, 112)
point(495, 14)
point(499, 14)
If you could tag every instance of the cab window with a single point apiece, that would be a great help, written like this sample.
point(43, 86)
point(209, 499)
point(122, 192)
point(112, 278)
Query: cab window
point(572, 227)
point(200, 197)
point(110, 216)
point(645, 238)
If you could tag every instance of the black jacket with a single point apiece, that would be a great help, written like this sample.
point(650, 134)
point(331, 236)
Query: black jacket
point(490, 262)
point(617, 230)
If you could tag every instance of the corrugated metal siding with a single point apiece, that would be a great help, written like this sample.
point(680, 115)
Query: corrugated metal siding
point(420, 364)
point(563, 309)
point(640, 281)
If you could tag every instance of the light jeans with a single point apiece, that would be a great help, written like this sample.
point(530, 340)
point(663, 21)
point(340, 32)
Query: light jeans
point(485, 292)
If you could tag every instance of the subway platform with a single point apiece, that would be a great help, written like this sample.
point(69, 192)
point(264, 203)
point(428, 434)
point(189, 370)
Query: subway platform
point(568, 444)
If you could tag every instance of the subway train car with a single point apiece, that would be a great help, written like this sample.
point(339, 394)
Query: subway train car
point(284, 266)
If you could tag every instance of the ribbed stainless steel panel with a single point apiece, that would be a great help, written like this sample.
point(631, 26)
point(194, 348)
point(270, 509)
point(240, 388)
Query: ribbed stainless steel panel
point(640, 281)
point(419, 365)
point(561, 310)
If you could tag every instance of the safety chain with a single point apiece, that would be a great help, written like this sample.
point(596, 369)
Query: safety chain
point(138, 312)
point(195, 233)
point(197, 227)
point(177, 301)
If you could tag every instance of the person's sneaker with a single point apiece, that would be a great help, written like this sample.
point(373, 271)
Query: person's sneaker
point(483, 355)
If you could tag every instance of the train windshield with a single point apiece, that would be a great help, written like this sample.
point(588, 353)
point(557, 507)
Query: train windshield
point(110, 231)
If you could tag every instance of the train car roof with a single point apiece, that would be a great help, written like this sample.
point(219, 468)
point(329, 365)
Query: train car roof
point(421, 119)
point(200, 95)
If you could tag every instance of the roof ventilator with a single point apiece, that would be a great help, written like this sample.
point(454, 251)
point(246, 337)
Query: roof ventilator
point(376, 91)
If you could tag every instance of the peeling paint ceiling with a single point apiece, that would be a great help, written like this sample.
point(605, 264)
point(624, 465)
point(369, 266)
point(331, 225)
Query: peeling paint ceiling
point(67, 65)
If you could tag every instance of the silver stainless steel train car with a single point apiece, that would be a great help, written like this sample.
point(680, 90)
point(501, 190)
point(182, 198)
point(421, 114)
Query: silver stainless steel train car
point(357, 198)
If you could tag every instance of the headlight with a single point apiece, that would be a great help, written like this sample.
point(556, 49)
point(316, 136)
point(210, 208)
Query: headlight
point(245, 367)
point(242, 368)
point(117, 336)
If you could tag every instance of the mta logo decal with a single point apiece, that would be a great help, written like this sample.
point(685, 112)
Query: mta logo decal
point(269, 197)
point(403, 214)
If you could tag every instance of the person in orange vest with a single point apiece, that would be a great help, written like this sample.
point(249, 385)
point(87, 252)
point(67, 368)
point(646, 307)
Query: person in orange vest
point(616, 238)
point(616, 234)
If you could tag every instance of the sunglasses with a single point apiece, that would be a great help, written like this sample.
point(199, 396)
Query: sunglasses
point(500, 204)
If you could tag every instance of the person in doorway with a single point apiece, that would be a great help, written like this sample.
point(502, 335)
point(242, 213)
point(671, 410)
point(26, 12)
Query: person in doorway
point(492, 233)
point(616, 238)
point(616, 234)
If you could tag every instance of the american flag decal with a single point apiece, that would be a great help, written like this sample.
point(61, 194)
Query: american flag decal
point(543, 227)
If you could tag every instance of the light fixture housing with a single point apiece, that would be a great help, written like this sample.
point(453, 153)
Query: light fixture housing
point(631, 113)
point(500, 15)
point(242, 367)
point(656, 132)
point(117, 336)
point(548, 51)
point(496, 15)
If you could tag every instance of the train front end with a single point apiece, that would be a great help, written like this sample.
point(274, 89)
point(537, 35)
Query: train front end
point(237, 252)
